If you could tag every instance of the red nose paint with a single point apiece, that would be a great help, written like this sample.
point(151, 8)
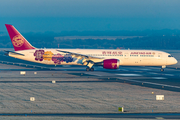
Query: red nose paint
point(18, 41)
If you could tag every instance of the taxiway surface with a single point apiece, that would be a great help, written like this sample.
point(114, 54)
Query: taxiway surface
point(88, 94)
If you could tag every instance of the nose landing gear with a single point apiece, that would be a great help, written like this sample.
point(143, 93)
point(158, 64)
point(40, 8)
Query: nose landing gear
point(162, 69)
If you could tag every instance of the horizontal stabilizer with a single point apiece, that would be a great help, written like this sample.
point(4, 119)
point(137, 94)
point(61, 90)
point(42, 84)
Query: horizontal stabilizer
point(12, 52)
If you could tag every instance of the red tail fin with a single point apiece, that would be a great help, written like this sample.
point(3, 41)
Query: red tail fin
point(18, 41)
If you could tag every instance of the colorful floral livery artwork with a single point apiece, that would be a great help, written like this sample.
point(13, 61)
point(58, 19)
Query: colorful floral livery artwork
point(39, 55)
point(58, 58)
point(48, 55)
point(68, 58)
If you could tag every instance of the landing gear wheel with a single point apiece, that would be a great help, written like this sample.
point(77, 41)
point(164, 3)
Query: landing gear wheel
point(87, 69)
point(162, 69)
point(92, 69)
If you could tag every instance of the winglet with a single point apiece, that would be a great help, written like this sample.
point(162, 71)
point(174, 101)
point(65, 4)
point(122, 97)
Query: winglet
point(18, 41)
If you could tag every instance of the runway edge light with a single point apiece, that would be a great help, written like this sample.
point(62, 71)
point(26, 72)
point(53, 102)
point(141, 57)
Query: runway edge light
point(23, 72)
point(53, 81)
point(159, 97)
point(121, 109)
point(32, 98)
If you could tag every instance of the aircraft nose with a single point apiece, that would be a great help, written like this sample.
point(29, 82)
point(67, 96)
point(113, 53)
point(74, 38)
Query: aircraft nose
point(175, 61)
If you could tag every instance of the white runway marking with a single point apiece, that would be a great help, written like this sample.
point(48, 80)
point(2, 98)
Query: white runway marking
point(159, 118)
point(169, 74)
point(94, 74)
point(145, 69)
point(129, 74)
point(152, 83)
point(123, 69)
point(152, 73)
point(158, 77)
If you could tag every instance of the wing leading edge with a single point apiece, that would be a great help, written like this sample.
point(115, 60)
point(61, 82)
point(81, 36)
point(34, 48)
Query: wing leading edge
point(80, 55)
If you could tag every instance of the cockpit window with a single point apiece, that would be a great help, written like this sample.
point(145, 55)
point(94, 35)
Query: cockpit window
point(170, 56)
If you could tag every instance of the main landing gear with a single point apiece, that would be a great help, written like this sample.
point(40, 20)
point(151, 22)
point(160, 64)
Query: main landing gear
point(89, 69)
point(90, 66)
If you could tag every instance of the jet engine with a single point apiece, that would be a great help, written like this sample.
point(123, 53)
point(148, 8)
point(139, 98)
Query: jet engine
point(111, 64)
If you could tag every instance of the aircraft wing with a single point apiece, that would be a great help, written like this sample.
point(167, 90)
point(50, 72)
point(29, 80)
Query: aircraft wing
point(13, 52)
point(80, 55)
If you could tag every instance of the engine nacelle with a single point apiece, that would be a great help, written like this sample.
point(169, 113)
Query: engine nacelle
point(111, 64)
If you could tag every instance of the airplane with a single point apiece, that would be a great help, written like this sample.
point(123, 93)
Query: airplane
point(107, 58)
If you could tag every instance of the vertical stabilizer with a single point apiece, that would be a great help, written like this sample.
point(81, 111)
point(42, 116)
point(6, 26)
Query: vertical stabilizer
point(18, 41)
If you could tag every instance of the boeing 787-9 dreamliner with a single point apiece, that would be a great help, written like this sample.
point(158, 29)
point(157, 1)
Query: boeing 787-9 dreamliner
point(108, 58)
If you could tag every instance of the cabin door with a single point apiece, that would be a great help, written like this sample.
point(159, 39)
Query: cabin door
point(159, 55)
point(126, 55)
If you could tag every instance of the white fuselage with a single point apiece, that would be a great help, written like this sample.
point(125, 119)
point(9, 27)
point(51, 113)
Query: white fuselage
point(126, 57)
